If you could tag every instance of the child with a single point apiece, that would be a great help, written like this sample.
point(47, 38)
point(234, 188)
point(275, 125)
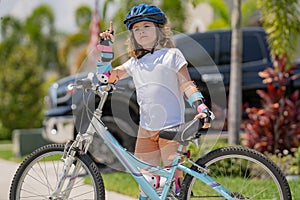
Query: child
point(159, 72)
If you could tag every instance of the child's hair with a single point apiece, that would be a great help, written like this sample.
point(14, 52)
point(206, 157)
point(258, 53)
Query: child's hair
point(165, 39)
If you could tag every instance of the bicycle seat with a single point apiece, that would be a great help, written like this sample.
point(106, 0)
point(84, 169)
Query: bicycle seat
point(183, 133)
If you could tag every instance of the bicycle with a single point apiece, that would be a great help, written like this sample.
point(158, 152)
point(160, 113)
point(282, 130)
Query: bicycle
point(58, 171)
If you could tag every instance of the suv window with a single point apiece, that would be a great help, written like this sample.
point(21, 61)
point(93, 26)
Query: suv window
point(209, 44)
point(225, 49)
point(197, 55)
point(252, 50)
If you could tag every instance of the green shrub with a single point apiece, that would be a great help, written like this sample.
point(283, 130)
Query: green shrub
point(21, 90)
point(289, 164)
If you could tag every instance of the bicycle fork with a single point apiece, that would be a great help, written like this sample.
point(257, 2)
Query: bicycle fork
point(68, 159)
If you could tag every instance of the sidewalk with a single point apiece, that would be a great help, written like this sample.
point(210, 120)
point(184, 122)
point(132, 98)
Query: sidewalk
point(7, 170)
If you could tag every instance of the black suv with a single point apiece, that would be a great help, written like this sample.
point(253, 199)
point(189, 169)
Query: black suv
point(208, 55)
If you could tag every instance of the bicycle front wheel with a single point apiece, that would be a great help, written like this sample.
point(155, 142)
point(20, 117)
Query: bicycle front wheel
point(246, 173)
point(38, 175)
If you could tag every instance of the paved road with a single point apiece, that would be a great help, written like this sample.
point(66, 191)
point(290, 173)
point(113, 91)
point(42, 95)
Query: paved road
point(7, 170)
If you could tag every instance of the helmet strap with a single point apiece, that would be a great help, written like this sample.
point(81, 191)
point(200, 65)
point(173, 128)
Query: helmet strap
point(144, 52)
point(156, 42)
point(154, 46)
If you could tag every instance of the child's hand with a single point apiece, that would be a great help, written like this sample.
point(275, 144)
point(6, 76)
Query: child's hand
point(108, 34)
point(205, 115)
point(106, 45)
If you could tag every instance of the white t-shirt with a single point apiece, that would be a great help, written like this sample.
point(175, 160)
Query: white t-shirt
point(158, 91)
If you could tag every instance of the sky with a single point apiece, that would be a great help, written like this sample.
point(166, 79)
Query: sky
point(64, 10)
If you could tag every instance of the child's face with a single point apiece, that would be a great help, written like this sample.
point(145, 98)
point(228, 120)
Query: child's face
point(145, 34)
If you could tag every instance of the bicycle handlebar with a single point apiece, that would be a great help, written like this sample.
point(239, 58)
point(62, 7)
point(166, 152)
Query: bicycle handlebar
point(87, 84)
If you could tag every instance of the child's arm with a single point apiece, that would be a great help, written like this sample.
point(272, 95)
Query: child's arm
point(117, 74)
point(194, 97)
point(105, 72)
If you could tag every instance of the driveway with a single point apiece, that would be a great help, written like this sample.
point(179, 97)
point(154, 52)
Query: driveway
point(7, 170)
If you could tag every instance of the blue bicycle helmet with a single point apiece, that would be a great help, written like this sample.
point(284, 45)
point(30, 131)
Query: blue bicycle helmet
point(144, 12)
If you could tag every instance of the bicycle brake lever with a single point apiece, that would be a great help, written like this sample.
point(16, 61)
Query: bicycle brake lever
point(86, 83)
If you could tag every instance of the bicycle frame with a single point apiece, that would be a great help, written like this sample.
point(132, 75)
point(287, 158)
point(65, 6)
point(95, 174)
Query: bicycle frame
point(137, 167)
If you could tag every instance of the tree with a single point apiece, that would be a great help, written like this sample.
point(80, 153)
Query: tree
point(9, 25)
point(235, 90)
point(21, 89)
point(222, 18)
point(222, 13)
point(39, 26)
point(83, 15)
point(25, 51)
point(250, 13)
point(176, 18)
point(78, 40)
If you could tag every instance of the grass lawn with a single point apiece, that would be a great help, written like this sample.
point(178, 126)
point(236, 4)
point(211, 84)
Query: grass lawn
point(6, 152)
point(123, 183)
point(295, 188)
point(5, 142)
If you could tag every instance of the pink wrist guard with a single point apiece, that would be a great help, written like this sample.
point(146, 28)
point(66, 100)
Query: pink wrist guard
point(201, 108)
point(104, 48)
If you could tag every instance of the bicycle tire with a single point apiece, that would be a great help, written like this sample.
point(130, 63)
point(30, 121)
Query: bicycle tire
point(248, 174)
point(37, 176)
